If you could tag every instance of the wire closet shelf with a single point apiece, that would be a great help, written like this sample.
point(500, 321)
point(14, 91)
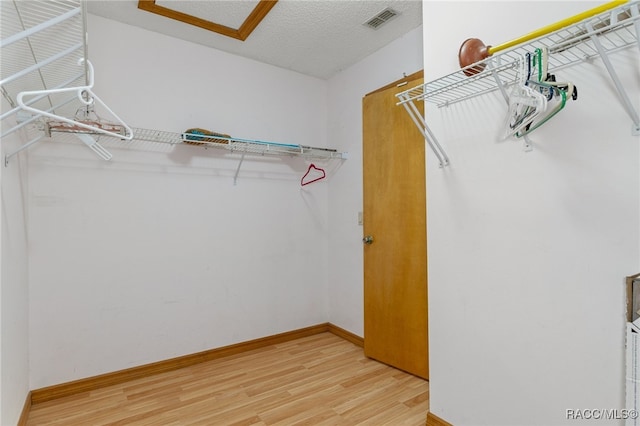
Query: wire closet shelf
point(241, 146)
point(46, 76)
point(46, 83)
point(593, 37)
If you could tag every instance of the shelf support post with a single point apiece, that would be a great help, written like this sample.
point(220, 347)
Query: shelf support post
point(235, 177)
point(494, 74)
point(635, 13)
point(626, 102)
point(23, 147)
point(428, 135)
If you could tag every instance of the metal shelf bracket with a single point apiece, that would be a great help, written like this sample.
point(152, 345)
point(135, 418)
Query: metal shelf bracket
point(428, 135)
point(624, 97)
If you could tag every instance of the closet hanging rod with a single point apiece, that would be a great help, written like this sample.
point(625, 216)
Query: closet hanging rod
point(556, 26)
point(474, 50)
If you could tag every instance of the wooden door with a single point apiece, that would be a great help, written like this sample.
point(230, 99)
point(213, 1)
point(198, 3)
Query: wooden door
point(394, 216)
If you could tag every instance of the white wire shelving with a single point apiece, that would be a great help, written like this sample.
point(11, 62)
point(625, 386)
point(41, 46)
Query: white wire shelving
point(594, 37)
point(46, 83)
point(240, 146)
point(46, 73)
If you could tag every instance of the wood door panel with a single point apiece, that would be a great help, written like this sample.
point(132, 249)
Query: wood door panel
point(395, 268)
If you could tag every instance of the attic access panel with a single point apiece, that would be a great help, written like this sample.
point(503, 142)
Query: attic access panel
point(241, 33)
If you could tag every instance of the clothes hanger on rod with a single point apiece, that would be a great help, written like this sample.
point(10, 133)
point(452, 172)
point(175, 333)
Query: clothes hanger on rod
point(555, 92)
point(555, 96)
point(86, 96)
point(526, 114)
point(525, 103)
point(311, 171)
point(568, 87)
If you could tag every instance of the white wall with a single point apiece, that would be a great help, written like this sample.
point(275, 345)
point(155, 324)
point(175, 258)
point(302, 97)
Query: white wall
point(187, 261)
point(14, 372)
point(157, 254)
point(528, 251)
point(346, 90)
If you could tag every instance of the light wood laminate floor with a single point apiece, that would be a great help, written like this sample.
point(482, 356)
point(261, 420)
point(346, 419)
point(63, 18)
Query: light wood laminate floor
point(317, 380)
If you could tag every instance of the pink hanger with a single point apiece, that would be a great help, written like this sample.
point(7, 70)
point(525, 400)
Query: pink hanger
point(312, 166)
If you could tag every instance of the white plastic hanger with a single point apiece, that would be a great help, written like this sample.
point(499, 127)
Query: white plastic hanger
point(529, 99)
point(525, 104)
point(559, 97)
point(86, 96)
point(556, 93)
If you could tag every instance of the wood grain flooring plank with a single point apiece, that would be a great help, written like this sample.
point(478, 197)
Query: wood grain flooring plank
point(320, 379)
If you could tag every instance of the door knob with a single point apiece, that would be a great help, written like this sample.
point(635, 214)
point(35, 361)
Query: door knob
point(368, 239)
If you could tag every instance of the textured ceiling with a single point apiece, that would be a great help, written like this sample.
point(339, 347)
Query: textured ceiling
point(317, 38)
